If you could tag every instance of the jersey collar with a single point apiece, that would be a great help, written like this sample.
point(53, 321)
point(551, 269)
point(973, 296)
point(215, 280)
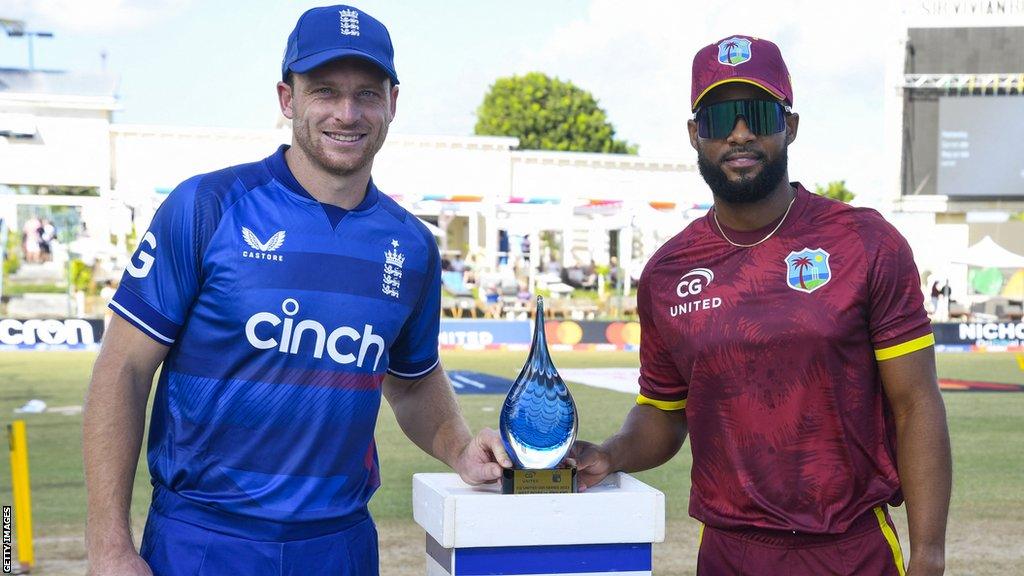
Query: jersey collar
point(747, 236)
point(279, 169)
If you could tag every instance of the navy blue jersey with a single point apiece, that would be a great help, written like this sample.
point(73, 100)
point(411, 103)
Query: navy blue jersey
point(281, 327)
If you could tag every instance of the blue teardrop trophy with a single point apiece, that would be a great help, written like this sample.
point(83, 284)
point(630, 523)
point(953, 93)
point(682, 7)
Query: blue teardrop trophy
point(538, 424)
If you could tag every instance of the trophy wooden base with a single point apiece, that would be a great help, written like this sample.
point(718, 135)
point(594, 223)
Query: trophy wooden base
point(549, 481)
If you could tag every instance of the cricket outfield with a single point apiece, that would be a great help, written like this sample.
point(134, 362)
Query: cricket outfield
point(986, 528)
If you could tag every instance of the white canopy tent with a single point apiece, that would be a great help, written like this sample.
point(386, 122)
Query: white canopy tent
point(988, 254)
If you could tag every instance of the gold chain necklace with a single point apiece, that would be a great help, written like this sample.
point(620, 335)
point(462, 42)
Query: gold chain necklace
point(714, 214)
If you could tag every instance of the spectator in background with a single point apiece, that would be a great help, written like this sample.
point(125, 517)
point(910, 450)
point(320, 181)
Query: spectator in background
point(614, 273)
point(492, 298)
point(503, 247)
point(553, 266)
point(520, 267)
point(106, 294)
point(471, 271)
point(47, 236)
point(581, 276)
point(30, 239)
point(942, 313)
point(458, 264)
point(524, 291)
point(590, 276)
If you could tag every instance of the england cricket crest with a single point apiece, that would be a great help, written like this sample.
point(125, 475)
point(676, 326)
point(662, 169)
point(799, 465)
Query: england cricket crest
point(807, 270)
point(734, 51)
point(392, 280)
point(349, 22)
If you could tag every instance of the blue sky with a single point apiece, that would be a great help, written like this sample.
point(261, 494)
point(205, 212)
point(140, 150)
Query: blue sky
point(215, 63)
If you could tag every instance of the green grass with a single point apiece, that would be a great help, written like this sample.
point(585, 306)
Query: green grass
point(997, 367)
point(15, 289)
point(986, 428)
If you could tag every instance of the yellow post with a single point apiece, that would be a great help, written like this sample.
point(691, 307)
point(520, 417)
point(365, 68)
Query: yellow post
point(22, 493)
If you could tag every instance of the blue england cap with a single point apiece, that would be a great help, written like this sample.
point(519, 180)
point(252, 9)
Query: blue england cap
point(333, 32)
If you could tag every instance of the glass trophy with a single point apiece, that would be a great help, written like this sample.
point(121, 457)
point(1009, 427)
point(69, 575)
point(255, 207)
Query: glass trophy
point(538, 423)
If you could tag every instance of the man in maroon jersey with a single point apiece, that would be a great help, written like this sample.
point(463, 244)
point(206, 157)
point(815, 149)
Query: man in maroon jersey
point(786, 332)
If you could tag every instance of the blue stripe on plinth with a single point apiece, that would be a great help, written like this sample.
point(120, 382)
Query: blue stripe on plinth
point(574, 559)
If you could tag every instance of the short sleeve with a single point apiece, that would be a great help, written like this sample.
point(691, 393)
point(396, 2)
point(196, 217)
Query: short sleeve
point(897, 322)
point(414, 353)
point(661, 385)
point(161, 280)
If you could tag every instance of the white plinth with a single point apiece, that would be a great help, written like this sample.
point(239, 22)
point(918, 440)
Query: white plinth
point(608, 529)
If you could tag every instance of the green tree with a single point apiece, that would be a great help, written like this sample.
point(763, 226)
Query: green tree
point(835, 190)
point(82, 277)
point(11, 260)
point(547, 114)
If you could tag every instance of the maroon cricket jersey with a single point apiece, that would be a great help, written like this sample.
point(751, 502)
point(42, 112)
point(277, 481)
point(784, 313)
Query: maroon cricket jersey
point(773, 352)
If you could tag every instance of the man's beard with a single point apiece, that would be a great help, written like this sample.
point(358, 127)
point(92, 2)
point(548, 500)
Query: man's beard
point(746, 190)
point(314, 150)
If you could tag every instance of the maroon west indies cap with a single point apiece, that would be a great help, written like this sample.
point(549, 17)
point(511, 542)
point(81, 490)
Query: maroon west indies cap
point(740, 59)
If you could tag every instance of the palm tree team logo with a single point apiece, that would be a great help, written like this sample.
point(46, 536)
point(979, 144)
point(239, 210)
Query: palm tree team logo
point(807, 270)
point(734, 51)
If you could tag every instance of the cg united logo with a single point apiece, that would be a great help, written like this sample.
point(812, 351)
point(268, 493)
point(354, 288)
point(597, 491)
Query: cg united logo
point(694, 281)
point(692, 284)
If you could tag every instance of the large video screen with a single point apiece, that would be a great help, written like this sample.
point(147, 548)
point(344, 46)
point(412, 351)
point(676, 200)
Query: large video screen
point(981, 146)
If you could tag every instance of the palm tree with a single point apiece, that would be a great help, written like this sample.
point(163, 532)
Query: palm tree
point(729, 48)
point(801, 263)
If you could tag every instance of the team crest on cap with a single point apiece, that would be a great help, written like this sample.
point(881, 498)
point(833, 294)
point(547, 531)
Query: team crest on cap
point(734, 51)
point(349, 22)
point(808, 269)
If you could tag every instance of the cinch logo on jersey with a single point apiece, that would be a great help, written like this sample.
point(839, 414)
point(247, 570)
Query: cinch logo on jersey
point(260, 250)
point(691, 284)
point(288, 339)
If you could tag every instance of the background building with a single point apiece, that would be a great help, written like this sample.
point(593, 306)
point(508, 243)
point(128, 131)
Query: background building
point(958, 95)
point(954, 110)
point(62, 158)
point(955, 90)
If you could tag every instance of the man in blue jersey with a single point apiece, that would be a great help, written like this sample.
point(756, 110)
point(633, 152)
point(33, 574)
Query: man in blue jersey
point(282, 297)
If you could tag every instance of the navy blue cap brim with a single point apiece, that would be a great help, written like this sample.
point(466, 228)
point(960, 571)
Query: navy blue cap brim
point(303, 65)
